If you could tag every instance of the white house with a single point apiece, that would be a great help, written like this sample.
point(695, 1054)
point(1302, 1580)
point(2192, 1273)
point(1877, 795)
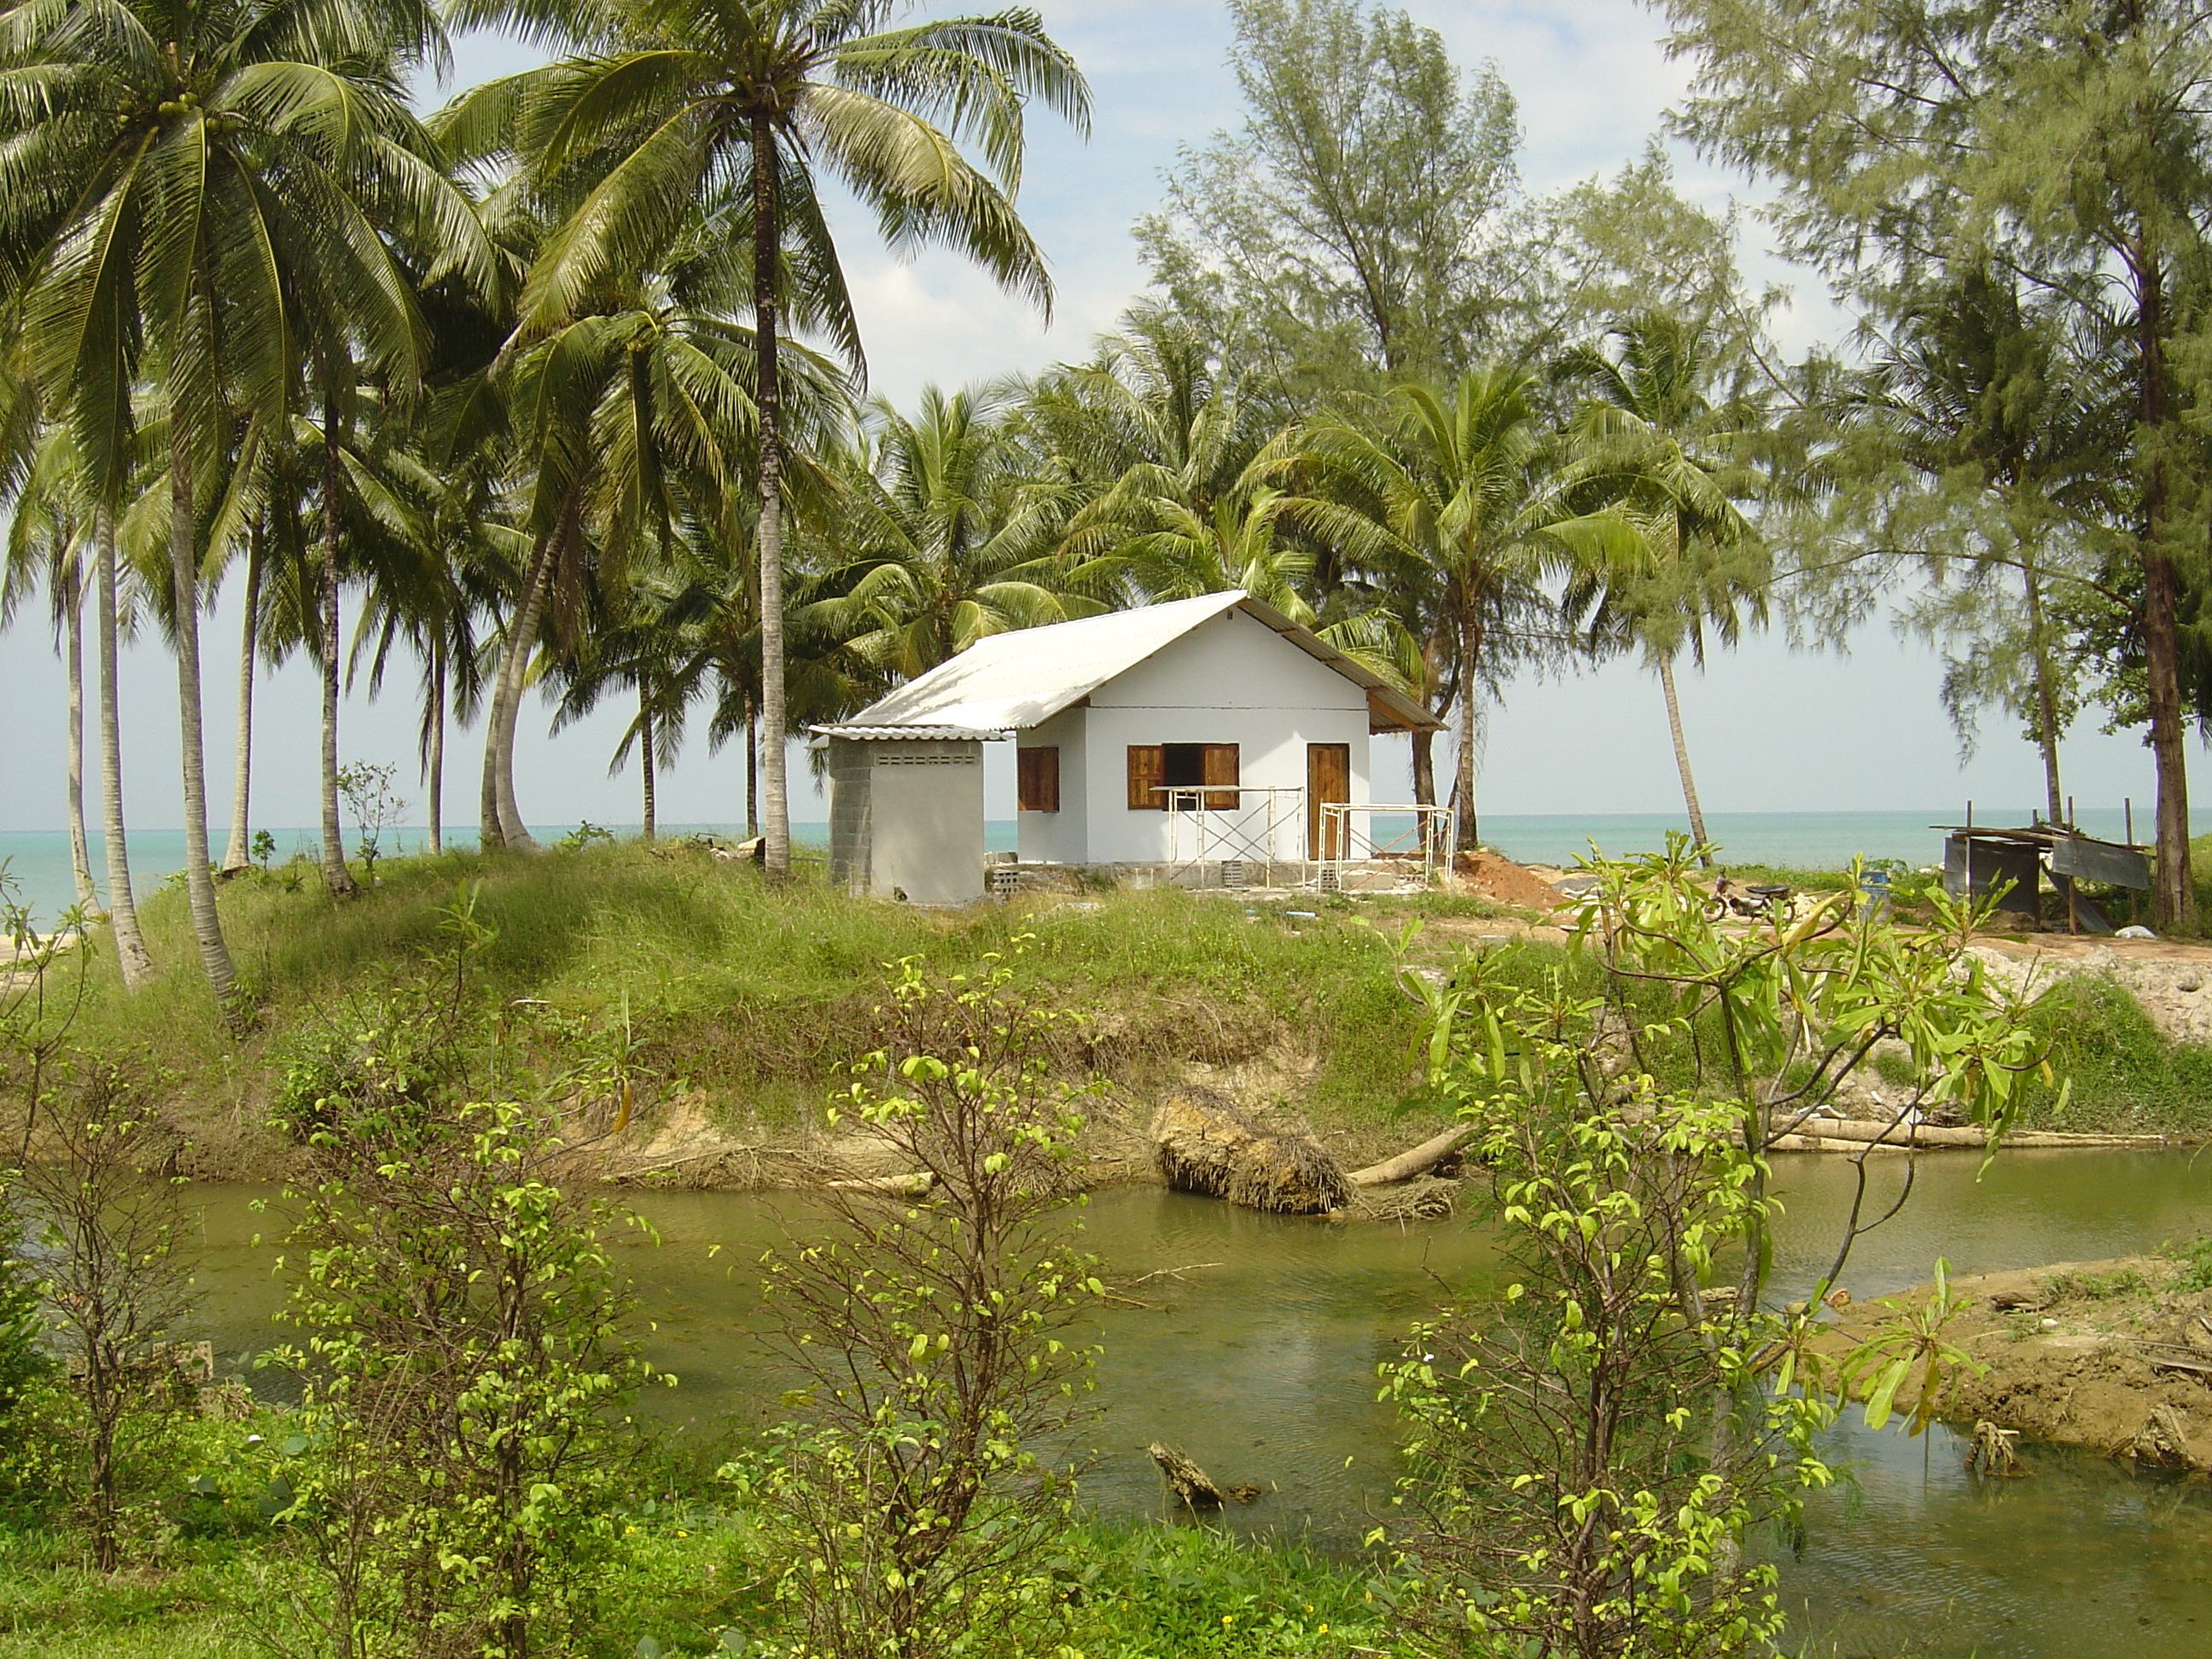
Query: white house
point(1191, 734)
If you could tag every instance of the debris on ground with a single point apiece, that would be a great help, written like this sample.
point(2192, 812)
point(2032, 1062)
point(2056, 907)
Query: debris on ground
point(1206, 1145)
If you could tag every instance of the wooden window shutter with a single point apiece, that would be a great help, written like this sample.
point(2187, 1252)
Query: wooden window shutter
point(1037, 773)
point(1222, 765)
point(1147, 766)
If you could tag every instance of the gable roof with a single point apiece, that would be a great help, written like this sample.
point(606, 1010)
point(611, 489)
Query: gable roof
point(1011, 682)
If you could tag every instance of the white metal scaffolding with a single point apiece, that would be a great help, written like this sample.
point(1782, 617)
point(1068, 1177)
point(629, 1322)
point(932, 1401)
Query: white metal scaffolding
point(1349, 837)
point(1264, 828)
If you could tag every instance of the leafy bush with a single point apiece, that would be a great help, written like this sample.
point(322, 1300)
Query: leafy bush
point(368, 1050)
point(2197, 1265)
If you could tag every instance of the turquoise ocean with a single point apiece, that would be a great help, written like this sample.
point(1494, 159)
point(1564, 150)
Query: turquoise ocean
point(38, 862)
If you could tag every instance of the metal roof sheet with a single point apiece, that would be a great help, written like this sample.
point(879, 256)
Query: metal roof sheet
point(905, 733)
point(1014, 681)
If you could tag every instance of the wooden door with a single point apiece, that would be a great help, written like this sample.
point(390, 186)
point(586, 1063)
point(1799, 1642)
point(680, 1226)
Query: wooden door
point(1328, 778)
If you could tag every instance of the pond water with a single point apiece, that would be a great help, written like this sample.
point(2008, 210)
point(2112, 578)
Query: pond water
point(1259, 1361)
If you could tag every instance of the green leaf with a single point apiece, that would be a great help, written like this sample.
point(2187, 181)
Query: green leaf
point(1879, 1402)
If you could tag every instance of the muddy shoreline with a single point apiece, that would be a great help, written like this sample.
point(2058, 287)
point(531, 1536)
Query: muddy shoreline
point(2111, 1356)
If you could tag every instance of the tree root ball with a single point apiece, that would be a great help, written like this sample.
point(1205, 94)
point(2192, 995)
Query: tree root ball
point(1206, 1145)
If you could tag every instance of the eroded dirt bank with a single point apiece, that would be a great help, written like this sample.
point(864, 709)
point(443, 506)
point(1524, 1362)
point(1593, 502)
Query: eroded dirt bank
point(2113, 1356)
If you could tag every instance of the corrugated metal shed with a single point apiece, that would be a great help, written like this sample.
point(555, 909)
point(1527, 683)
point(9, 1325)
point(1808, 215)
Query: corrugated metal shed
point(1012, 681)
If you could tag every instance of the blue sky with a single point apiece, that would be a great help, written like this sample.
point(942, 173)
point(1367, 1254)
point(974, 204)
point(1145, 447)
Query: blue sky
point(1770, 730)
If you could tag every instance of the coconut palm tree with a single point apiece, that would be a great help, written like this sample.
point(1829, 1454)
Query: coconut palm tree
point(943, 538)
point(641, 649)
point(1445, 499)
point(197, 194)
point(48, 540)
point(1150, 420)
point(669, 98)
point(58, 522)
point(432, 589)
point(1662, 448)
point(625, 422)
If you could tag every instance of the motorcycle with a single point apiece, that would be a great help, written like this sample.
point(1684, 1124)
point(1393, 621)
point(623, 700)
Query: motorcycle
point(1747, 900)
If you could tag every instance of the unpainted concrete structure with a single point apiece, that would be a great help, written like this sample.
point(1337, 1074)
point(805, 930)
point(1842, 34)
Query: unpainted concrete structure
point(906, 818)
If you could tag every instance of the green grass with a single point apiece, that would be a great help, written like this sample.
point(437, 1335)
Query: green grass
point(2112, 1071)
point(686, 1572)
point(753, 993)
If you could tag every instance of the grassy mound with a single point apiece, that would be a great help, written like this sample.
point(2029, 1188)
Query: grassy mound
point(709, 979)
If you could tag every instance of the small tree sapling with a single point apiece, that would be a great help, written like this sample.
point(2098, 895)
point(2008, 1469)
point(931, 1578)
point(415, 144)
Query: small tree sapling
point(908, 1496)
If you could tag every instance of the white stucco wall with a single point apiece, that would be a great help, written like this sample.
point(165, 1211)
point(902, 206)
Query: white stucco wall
point(1233, 679)
point(1060, 837)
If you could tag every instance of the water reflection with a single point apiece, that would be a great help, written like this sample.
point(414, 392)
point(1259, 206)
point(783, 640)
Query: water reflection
point(1260, 1362)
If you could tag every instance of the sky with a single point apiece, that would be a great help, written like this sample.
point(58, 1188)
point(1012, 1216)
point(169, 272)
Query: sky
point(1769, 730)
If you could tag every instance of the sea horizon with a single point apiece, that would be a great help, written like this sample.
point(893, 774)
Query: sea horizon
point(37, 860)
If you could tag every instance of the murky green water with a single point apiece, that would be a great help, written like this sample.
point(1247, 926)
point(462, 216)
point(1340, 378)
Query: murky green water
point(1260, 1362)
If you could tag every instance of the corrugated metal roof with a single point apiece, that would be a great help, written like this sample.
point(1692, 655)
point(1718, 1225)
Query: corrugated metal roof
point(905, 733)
point(1011, 682)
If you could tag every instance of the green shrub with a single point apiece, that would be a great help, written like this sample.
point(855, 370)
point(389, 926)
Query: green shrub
point(368, 1049)
point(2195, 1273)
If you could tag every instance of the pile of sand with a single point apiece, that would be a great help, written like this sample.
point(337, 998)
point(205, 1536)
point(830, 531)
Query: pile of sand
point(1495, 876)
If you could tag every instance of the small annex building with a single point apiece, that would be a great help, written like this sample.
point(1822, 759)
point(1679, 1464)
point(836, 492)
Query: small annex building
point(1186, 735)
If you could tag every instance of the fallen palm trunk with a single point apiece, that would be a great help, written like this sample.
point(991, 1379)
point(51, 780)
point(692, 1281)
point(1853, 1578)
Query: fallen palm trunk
point(1929, 1134)
point(1206, 1145)
point(895, 1186)
point(1419, 1161)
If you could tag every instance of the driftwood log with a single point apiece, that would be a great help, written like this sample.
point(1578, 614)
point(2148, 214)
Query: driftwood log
point(1206, 1145)
point(1189, 1482)
point(912, 1185)
point(1901, 1135)
point(1192, 1485)
point(1419, 1161)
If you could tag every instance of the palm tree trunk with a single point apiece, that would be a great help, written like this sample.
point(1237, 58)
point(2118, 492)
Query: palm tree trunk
point(1470, 651)
point(72, 598)
point(645, 751)
point(131, 961)
point(1682, 754)
point(238, 852)
point(768, 395)
point(753, 772)
point(183, 576)
point(512, 831)
point(498, 785)
point(2046, 694)
point(434, 766)
point(338, 879)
